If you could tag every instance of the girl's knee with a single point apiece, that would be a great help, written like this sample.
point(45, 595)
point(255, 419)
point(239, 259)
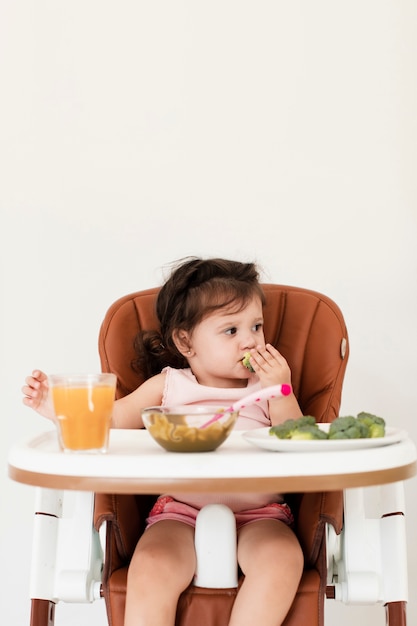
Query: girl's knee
point(158, 556)
point(268, 546)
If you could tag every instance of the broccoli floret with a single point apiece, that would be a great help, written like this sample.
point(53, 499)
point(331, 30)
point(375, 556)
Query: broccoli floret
point(374, 424)
point(306, 420)
point(284, 430)
point(246, 362)
point(308, 433)
point(347, 427)
point(287, 429)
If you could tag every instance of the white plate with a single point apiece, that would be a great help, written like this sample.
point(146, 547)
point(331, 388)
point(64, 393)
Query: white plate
point(261, 438)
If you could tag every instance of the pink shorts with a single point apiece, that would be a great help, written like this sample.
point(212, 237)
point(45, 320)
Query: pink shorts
point(166, 508)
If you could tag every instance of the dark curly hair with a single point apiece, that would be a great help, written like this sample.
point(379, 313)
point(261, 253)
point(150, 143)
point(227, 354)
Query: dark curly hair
point(195, 288)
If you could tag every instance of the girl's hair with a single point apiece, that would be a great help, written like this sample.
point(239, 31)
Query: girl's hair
point(195, 289)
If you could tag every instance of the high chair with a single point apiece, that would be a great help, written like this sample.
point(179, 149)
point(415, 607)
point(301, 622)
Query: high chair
point(348, 556)
point(310, 332)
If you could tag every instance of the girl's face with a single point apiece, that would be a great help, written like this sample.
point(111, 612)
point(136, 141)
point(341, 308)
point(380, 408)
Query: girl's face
point(217, 345)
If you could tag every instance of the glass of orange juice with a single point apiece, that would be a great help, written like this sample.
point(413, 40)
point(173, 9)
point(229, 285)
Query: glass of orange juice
point(83, 407)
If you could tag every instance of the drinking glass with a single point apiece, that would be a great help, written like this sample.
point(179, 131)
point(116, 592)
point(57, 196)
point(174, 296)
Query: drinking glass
point(83, 407)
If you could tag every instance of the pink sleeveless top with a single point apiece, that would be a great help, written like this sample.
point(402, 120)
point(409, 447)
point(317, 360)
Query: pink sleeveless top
point(181, 387)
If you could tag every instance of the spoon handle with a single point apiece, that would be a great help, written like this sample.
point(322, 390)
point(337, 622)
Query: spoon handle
point(268, 393)
point(263, 394)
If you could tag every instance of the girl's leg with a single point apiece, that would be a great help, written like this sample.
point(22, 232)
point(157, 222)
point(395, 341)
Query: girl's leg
point(162, 566)
point(272, 560)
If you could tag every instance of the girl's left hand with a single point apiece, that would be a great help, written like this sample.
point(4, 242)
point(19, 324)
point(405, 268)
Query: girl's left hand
point(270, 366)
point(273, 369)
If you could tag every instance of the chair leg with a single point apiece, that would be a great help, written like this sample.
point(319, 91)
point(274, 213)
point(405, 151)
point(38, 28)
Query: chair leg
point(42, 613)
point(396, 613)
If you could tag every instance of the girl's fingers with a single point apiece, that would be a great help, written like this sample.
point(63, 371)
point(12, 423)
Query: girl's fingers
point(272, 350)
point(268, 353)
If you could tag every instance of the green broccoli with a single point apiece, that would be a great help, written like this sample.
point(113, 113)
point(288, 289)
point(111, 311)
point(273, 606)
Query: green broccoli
point(283, 430)
point(287, 429)
point(246, 362)
point(308, 433)
point(348, 427)
point(362, 426)
point(375, 424)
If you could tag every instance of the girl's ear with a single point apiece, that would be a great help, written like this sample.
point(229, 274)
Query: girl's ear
point(182, 341)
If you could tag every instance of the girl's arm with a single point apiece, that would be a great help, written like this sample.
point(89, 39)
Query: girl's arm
point(127, 410)
point(282, 409)
point(273, 369)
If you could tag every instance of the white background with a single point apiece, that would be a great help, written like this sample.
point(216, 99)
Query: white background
point(135, 133)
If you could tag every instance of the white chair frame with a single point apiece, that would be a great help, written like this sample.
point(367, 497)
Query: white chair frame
point(367, 562)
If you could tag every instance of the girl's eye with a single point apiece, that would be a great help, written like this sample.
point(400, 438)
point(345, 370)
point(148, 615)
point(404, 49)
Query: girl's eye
point(231, 331)
point(258, 327)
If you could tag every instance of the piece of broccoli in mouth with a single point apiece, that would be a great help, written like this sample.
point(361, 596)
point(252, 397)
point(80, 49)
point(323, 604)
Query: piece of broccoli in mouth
point(246, 362)
point(288, 429)
point(374, 424)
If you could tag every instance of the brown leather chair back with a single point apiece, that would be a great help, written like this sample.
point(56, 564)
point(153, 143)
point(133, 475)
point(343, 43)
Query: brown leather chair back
point(305, 326)
point(309, 330)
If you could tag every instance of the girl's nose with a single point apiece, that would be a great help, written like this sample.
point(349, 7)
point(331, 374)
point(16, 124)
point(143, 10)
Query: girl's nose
point(249, 342)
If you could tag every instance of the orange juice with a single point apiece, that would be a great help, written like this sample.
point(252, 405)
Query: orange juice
point(83, 413)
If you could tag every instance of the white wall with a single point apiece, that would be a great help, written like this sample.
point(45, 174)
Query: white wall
point(135, 133)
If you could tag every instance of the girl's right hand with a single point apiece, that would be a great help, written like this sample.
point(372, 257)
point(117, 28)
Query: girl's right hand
point(36, 394)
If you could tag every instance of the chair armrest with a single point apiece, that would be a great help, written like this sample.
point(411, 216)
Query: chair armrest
point(368, 561)
point(104, 509)
point(66, 553)
point(125, 515)
point(315, 510)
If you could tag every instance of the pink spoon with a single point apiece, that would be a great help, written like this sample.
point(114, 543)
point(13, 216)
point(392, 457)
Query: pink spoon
point(268, 393)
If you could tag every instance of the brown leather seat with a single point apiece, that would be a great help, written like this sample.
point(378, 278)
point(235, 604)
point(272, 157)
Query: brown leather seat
point(309, 330)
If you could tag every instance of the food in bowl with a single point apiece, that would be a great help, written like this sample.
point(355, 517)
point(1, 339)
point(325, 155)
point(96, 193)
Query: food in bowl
point(183, 428)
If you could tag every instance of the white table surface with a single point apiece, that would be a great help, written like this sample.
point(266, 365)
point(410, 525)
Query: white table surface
point(136, 464)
